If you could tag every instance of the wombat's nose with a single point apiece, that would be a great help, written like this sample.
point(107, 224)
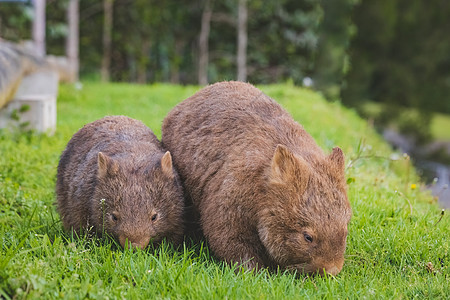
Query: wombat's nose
point(138, 245)
point(134, 244)
point(333, 270)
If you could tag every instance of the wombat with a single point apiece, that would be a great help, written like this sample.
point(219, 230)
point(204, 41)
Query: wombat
point(115, 178)
point(265, 193)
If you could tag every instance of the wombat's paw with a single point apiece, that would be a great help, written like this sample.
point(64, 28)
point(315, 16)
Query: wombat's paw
point(250, 262)
point(246, 265)
point(253, 264)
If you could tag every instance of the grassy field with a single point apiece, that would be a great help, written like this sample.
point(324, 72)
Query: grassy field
point(398, 244)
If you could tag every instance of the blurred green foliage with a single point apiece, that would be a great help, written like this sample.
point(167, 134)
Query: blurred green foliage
point(399, 57)
point(157, 41)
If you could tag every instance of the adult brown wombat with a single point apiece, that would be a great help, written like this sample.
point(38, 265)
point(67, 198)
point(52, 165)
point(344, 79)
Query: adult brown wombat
point(265, 193)
point(114, 176)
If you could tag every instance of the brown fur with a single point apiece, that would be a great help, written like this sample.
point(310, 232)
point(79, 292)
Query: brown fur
point(258, 182)
point(114, 176)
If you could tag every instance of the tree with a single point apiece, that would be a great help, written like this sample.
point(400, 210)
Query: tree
point(282, 40)
point(203, 44)
point(72, 40)
point(190, 42)
point(15, 22)
point(39, 27)
point(331, 55)
point(107, 33)
point(399, 58)
point(242, 41)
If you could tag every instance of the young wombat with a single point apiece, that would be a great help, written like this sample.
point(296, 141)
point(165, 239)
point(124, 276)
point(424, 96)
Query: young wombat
point(114, 176)
point(265, 193)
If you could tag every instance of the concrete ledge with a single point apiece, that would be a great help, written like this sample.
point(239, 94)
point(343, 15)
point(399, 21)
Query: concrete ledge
point(34, 104)
point(36, 112)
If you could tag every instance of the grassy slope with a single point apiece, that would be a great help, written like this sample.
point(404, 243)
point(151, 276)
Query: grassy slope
point(395, 248)
point(440, 127)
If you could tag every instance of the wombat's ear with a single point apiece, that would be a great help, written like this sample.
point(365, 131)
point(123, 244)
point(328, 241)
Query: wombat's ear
point(338, 160)
point(166, 164)
point(106, 166)
point(288, 169)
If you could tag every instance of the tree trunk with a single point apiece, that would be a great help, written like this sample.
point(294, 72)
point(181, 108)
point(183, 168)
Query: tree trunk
point(242, 41)
point(176, 61)
point(72, 42)
point(39, 27)
point(107, 33)
point(203, 44)
point(143, 61)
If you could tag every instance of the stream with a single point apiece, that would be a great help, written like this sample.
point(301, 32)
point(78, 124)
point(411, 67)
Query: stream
point(437, 177)
point(435, 174)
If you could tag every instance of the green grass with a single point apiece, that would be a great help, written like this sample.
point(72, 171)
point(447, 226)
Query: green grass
point(397, 247)
point(440, 127)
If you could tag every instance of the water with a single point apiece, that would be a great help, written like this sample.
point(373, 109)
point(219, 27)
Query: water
point(436, 175)
point(438, 178)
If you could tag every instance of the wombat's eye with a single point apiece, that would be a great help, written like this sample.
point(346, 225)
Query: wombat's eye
point(154, 217)
point(114, 217)
point(307, 237)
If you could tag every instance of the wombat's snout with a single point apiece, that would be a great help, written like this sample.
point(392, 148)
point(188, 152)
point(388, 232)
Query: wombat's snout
point(331, 269)
point(141, 243)
point(314, 269)
point(334, 270)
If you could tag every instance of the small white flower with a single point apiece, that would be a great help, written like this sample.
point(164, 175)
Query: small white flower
point(78, 86)
point(395, 156)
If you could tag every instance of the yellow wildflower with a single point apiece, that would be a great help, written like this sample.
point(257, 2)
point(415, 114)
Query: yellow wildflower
point(413, 186)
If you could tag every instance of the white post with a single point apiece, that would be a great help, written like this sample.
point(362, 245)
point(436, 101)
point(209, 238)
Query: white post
point(108, 6)
point(72, 41)
point(39, 27)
